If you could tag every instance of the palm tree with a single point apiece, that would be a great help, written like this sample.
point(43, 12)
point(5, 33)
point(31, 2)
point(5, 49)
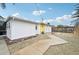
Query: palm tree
point(76, 14)
point(76, 21)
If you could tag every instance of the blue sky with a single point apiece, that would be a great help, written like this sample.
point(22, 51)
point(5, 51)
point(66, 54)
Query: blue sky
point(55, 14)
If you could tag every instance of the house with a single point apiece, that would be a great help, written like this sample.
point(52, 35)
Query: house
point(17, 28)
point(67, 29)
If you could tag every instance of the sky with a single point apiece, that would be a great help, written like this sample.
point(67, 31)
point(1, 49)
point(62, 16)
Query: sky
point(53, 13)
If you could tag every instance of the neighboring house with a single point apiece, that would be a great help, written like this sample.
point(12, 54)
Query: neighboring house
point(63, 29)
point(68, 29)
point(20, 28)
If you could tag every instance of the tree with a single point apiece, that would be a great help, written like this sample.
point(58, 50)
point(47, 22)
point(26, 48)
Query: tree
point(48, 23)
point(3, 5)
point(76, 15)
point(59, 26)
point(76, 21)
point(2, 20)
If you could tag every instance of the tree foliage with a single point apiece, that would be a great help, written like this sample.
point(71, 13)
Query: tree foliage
point(3, 5)
point(59, 26)
point(76, 15)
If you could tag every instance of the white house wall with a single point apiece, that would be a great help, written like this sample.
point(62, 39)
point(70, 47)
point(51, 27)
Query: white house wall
point(22, 29)
point(47, 29)
point(38, 29)
point(19, 29)
point(8, 29)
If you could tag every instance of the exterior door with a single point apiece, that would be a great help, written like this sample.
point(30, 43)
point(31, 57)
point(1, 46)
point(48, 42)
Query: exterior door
point(42, 28)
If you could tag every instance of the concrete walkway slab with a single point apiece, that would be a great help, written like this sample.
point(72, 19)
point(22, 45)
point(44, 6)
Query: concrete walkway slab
point(3, 47)
point(56, 40)
point(35, 49)
point(30, 50)
point(41, 46)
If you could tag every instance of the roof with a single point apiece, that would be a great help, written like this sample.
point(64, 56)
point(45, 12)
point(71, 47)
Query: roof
point(24, 20)
point(1, 18)
point(20, 19)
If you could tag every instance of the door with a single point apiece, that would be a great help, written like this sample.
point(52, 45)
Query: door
point(42, 28)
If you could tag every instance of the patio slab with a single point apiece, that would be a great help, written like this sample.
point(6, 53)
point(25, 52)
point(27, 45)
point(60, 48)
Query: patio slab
point(40, 46)
point(30, 50)
point(56, 40)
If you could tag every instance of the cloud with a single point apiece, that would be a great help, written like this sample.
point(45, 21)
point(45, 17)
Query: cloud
point(45, 20)
point(74, 12)
point(59, 19)
point(67, 17)
point(16, 14)
point(38, 12)
point(37, 21)
point(48, 20)
point(63, 18)
point(69, 24)
point(50, 8)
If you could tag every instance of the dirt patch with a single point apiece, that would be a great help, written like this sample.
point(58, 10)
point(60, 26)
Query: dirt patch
point(70, 48)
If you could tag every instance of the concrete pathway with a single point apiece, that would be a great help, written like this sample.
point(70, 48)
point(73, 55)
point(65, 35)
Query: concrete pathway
point(3, 47)
point(41, 46)
point(56, 40)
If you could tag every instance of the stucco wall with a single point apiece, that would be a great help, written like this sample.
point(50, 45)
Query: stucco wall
point(19, 29)
point(22, 29)
point(47, 28)
point(38, 29)
point(8, 29)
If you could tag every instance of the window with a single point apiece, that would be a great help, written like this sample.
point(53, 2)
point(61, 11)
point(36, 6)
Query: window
point(36, 27)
